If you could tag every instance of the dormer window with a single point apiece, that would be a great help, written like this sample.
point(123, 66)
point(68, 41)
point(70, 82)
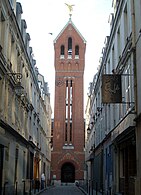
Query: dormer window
point(76, 52)
point(69, 48)
point(62, 52)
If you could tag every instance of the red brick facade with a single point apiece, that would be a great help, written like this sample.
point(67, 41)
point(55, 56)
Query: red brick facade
point(68, 130)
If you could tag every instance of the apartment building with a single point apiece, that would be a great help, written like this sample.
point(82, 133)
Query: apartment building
point(25, 111)
point(113, 144)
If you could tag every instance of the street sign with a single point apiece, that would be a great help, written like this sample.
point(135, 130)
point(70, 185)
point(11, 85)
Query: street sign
point(111, 88)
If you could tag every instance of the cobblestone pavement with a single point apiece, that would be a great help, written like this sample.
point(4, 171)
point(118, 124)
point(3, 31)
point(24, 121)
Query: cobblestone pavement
point(63, 190)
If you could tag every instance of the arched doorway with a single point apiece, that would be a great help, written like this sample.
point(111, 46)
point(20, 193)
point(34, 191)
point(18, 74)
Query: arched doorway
point(68, 173)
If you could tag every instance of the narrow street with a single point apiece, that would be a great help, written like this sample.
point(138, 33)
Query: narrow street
point(70, 107)
point(63, 190)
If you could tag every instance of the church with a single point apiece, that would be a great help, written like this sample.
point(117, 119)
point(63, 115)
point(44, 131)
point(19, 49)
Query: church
point(67, 158)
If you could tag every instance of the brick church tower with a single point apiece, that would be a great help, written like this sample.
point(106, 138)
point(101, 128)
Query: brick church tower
point(68, 131)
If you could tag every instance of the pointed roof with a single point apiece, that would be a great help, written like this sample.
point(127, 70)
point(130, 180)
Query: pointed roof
point(69, 22)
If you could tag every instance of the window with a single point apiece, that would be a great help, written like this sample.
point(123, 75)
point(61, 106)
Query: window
point(62, 51)
point(70, 132)
point(71, 100)
point(66, 130)
point(76, 52)
point(3, 31)
point(125, 23)
point(68, 112)
point(66, 123)
point(118, 43)
point(69, 47)
point(24, 164)
point(44, 167)
point(16, 163)
point(66, 99)
point(113, 58)
point(30, 165)
point(127, 87)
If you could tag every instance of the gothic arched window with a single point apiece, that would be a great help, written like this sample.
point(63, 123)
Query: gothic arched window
point(69, 47)
point(76, 51)
point(62, 51)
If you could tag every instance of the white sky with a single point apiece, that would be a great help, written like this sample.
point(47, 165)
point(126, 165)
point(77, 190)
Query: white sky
point(44, 16)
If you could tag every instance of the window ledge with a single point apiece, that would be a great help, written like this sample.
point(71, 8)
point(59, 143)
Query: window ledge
point(76, 56)
point(70, 147)
point(69, 56)
point(62, 57)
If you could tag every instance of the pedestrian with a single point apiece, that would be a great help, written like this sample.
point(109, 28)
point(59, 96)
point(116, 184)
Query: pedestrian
point(42, 181)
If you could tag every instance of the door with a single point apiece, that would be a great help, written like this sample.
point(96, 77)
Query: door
point(68, 173)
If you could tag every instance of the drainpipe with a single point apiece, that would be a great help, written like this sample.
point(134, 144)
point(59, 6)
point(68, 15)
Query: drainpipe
point(135, 78)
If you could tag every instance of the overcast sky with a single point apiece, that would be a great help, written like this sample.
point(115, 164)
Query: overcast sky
point(45, 16)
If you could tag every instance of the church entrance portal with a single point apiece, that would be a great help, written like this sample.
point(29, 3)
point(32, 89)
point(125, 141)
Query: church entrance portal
point(68, 173)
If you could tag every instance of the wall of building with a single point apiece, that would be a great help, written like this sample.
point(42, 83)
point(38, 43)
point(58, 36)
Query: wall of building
point(25, 111)
point(113, 124)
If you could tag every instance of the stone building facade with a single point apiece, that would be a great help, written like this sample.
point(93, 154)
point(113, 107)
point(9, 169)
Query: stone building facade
point(68, 131)
point(113, 145)
point(25, 111)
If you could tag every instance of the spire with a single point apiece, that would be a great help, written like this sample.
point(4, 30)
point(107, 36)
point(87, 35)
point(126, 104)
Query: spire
point(70, 7)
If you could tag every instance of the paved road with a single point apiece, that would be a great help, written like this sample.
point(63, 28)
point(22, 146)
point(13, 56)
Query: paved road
point(63, 190)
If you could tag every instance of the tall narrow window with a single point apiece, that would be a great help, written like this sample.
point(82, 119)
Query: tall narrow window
point(30, 165)
point(66, 122)
point(118, 44)
point(113, 58)
point(76, 52)
point(3, 31)
point(66, 99)
point(24, 164)
point(71, 100)
point(62, 51)
point(127, 87)
point(16, 163)
point(70, 138)
point(108, 67)
point(70, 131)
point(70, 111)
point(125, 23)
point(68, 119)
point(69, 47)
point(66, 132)
point(44, 167)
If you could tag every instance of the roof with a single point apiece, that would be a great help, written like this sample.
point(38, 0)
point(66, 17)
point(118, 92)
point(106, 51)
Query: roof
point(69, 22)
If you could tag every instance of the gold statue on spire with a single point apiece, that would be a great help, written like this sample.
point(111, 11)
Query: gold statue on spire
point(70, 7)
